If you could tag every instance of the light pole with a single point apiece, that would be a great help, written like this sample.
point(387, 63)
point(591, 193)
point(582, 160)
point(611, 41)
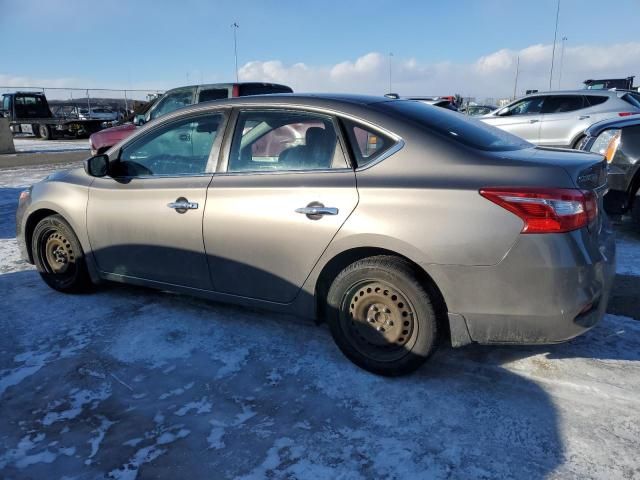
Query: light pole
point(390, 57)
point(564, 39)
point(555, 37)
point(515, 85)
point(235, 27)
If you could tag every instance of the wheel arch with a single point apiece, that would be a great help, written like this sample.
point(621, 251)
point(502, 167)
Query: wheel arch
point(346, 257)
point(32, 220)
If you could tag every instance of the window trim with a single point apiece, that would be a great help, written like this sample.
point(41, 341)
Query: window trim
point(233, 125)
point(396, 146)
point(214, 153)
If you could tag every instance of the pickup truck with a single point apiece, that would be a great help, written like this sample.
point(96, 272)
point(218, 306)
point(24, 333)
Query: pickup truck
point(30, 110)
point(178, 98)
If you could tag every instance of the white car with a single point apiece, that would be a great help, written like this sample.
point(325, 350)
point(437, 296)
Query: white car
point(558, 119)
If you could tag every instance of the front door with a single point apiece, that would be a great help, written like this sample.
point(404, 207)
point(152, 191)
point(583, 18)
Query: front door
point(286, 192)
point(145, 219)
point(521, 118)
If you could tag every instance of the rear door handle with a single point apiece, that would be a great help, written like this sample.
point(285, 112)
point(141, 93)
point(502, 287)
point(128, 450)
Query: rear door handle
point(583, 117)
point(534, 120)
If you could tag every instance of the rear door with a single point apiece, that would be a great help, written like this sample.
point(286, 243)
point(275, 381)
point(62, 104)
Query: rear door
point(521, 118)
point(563, 118)
point(285, 190)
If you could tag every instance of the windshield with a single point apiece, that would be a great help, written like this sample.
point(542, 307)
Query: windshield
point(456, 127)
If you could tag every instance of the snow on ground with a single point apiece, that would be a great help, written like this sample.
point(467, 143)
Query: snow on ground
point(132, 383)
point(33, 144)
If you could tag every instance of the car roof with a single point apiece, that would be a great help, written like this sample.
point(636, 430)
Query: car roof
point(584, 91)
point(227, 85)
point(314, 99)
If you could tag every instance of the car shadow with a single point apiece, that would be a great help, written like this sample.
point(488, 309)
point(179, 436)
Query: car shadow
point(465, 413)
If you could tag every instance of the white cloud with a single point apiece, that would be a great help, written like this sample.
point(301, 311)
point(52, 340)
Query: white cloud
point(491, 75)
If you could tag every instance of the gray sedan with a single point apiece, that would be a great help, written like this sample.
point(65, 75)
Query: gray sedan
point(396, 222)
point(558, 119)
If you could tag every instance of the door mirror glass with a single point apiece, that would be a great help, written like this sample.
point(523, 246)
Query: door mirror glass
point(97, 166)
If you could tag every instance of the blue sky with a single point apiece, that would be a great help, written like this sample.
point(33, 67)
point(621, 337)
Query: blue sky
point(162, 44)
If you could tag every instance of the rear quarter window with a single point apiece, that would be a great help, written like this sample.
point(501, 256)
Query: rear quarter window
point(455, 127)
point(594, 100)
point(367, 144)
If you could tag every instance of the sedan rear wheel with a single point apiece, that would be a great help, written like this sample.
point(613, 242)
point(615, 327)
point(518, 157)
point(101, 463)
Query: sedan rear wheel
point(382, 316)
point(58, 256)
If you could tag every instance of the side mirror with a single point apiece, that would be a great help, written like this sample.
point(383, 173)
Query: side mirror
point(97, 166)
point(138, 120)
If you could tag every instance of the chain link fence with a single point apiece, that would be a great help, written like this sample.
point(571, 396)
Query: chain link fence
point(68, 101)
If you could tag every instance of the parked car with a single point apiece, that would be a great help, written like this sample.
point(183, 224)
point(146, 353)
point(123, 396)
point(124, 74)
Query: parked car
point(393, 221)
point(476, 110)
point(100, 113)
point(619, 141)
point(558, 119)
point(178, 98)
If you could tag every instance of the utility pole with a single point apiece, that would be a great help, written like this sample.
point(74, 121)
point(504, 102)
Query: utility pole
point(515, 85)
point(390, 59)
point(235, 27)
point(564, 39)
point(555, 37)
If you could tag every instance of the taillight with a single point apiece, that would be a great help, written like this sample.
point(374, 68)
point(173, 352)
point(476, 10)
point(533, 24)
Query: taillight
point(235, 92)
point(626, 114)
point(546, 210)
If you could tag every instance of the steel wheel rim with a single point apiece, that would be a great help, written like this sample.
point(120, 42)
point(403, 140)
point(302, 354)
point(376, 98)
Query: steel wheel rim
point(379, 320)
point(57, 255)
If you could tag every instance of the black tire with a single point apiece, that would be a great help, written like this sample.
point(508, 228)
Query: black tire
point(35, 128)
point(58, 256)
point(382, 316)
point(46, 132)
point(577, 142)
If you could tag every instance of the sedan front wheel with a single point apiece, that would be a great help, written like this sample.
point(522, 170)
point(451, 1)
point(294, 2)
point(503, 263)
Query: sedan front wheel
point(58, 256)
point(381, 315)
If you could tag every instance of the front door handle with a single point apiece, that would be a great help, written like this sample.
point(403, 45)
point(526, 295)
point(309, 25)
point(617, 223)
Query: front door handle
point(316, 210)
point(534, 120)
point(181, 205)
point(584, 117)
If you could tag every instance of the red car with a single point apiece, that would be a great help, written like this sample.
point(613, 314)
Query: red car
point(177, 98)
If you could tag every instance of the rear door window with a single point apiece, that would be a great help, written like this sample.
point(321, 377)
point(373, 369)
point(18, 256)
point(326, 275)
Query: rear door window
point(245, 89)
point(594, 100)
point(563, 103)
point(211, 94)
point(283, 140)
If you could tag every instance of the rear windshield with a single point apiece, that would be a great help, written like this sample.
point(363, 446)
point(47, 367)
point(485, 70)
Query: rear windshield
point(261, 89)
point(457, 127)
